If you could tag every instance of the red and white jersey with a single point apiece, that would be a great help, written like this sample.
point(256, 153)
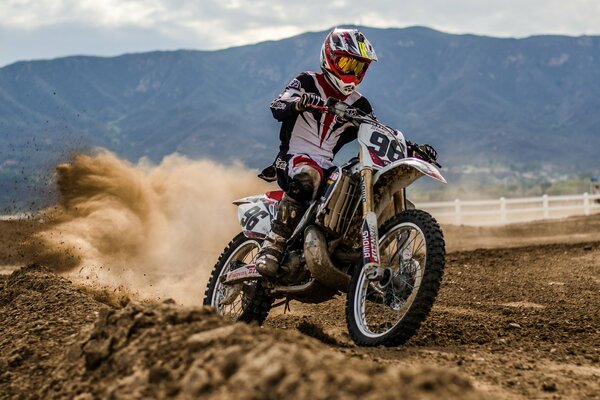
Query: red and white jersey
point(312, 132)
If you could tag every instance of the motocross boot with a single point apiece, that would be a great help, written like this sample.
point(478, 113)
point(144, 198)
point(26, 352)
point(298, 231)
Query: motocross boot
point(289, 213)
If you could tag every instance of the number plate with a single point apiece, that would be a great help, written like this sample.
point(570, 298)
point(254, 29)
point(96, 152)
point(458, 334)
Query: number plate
point(380, 147)
point(255, 217)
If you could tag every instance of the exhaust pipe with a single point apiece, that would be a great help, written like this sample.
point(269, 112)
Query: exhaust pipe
point(318, 262)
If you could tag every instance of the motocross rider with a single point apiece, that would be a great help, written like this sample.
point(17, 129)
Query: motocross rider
point(310, 138)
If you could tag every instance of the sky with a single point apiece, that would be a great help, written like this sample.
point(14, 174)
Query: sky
point(41, 29)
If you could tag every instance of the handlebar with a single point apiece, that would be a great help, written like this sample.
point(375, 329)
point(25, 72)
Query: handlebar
point(357, 116)
point(424, 156)
point(344, 111)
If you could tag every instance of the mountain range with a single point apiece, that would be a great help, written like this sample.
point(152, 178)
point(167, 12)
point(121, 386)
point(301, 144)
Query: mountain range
point(521, 103)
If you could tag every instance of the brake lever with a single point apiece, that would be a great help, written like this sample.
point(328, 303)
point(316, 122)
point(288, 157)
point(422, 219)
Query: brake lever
point(329, 109)
point(317, 108)
point(337, 108)
point(425, 156)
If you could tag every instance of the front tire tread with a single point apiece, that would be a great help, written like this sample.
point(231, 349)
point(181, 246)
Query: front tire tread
point(430, 285)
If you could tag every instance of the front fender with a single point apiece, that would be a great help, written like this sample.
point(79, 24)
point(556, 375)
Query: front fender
point(409, 169)
point(397, 176)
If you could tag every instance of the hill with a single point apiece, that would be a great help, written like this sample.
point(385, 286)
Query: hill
point(521, 103)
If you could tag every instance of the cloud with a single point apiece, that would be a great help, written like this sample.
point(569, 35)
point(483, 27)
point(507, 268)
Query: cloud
point(49, 28)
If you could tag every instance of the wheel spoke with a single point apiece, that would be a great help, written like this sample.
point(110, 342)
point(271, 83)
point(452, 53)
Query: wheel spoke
point(410, 243)
point(418, 249)
point(382, 308)
point(245, 254)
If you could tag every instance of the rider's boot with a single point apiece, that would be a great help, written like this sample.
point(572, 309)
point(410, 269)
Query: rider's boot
point(289, 213)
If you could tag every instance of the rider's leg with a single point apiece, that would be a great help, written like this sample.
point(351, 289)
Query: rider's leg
point(306, 177)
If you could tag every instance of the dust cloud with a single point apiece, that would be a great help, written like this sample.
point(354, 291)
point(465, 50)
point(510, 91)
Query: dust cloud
point(152, 230)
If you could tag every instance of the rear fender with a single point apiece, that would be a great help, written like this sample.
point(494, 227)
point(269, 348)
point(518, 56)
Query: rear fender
point(255, 215)
point(245, 273)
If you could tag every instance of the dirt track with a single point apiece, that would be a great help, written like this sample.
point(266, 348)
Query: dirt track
point(522, 323)
point(515, 322)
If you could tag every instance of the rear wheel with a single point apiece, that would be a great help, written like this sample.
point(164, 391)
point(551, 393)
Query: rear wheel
point(247, 301)
point(390, 311)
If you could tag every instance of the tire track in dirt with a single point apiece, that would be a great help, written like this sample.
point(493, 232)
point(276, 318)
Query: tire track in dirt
point(522, 322)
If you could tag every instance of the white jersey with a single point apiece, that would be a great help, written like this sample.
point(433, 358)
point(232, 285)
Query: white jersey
point(316, 134)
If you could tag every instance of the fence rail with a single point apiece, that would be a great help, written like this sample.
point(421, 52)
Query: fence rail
point(16, 217)
point(503, 210)
point(488, 212)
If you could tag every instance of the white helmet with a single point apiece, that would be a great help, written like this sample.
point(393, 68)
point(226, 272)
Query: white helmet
point(345, 57)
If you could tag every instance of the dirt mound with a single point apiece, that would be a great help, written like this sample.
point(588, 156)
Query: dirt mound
point(17, 245)
point(58, 342)
point(40, 315)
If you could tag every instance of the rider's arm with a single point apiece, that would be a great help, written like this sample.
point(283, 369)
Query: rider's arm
point(347, 136)
point(350, 133)
point(283, 106)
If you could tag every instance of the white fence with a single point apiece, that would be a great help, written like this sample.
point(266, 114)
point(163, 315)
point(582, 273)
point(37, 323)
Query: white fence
point(16, 217)
point(490, 212)
point(505, 211)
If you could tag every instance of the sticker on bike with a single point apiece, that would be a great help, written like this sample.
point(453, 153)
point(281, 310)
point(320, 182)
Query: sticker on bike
point(383, 148)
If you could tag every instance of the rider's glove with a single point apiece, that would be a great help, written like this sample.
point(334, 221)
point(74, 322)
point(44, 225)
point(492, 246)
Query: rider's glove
point(268, 174)
point(307, 100)
point(428, 151)
point(421, 151)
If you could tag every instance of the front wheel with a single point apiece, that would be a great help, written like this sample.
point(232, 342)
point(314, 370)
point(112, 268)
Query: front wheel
point(390, 311)
point(247, 301)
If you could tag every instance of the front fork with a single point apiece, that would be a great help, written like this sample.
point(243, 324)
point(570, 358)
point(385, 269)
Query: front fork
point(369, 234)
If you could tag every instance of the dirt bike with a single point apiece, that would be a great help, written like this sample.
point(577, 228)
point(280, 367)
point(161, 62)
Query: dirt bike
point(361, 237)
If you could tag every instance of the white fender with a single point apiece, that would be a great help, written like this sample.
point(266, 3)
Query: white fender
point(417, 166)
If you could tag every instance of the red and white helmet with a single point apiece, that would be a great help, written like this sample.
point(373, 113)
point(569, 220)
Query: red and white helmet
point(345, 57)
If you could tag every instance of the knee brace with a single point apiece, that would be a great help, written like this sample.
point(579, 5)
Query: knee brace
point(289, 213)
point(303, 186)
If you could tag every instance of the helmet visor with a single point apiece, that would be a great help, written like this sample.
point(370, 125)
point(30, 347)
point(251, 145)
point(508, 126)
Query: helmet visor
point(350, 65)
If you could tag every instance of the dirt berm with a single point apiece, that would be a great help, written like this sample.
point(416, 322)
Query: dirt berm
point(57, 341)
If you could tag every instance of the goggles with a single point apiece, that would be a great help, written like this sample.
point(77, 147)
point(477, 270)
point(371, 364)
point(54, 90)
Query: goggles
point(350, 66)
